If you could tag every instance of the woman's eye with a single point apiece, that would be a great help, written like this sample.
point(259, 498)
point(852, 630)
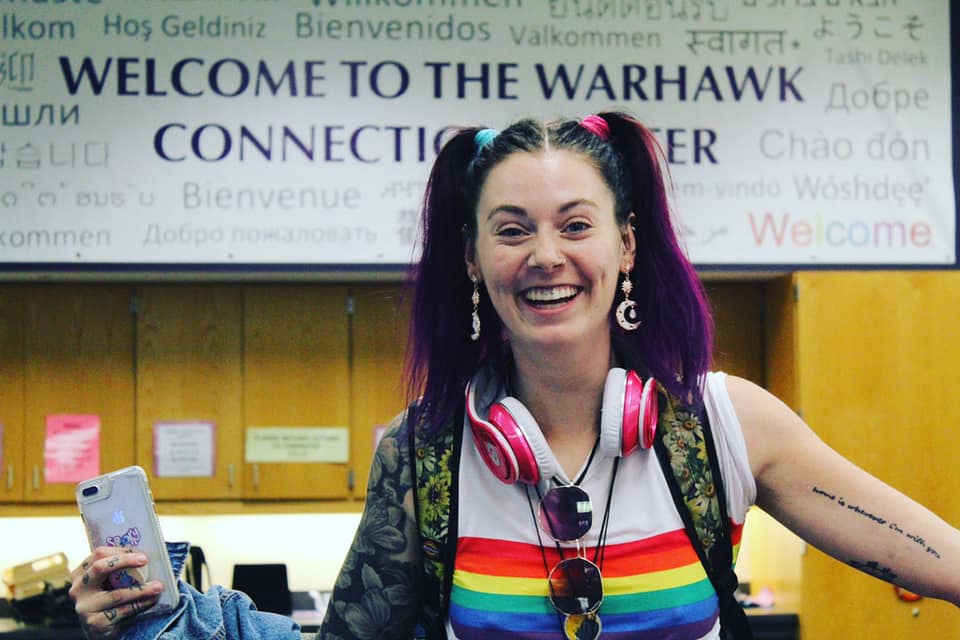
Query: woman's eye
point(510, 232)
point(577, 227)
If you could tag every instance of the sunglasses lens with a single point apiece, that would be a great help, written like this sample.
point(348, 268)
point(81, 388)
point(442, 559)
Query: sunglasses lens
point(576, 587)
point(566, 513)
point(582, 627)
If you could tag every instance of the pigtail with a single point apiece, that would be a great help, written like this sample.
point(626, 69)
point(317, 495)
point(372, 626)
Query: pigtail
point(440, 355)
point(676, 338)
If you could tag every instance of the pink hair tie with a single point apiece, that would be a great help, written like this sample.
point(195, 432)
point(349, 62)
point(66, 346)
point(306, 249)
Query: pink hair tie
point(597, 126)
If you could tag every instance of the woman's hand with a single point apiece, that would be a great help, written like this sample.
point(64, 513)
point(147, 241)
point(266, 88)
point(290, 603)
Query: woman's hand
point(101, 609)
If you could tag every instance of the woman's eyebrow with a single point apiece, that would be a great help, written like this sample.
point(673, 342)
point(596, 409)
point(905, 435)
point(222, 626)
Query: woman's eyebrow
point(520, 211)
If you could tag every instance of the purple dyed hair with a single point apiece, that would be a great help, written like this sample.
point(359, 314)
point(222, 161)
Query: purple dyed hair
point(674, 343)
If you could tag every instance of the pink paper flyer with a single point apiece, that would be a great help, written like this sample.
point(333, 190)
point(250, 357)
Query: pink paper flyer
point(71, 450)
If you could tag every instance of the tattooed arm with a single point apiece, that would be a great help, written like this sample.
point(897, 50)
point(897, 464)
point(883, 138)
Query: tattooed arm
point(377, 594)
point(840, 508)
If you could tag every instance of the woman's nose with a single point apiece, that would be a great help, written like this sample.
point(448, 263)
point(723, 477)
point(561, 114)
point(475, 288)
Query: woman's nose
point(545, 254)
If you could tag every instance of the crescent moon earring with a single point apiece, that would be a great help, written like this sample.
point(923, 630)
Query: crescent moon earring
point(627, 316)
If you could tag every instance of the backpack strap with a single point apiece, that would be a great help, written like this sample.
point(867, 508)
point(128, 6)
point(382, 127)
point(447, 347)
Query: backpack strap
point(435, 465)
point(688, 457)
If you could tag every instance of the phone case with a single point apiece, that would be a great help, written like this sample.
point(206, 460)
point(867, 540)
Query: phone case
point(118, 511)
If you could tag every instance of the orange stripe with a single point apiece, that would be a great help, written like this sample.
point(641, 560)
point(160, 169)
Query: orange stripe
point(503, 558)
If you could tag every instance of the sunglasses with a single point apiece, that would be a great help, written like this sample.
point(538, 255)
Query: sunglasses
point(576, 587)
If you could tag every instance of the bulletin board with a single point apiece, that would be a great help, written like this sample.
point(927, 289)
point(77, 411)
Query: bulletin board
point(297, 135)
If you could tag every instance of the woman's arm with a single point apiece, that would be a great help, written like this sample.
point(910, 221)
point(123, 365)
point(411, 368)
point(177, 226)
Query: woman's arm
point(378, 591)
point(840, 508)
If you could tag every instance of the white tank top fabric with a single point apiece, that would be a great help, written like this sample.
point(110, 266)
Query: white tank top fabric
point(654, 585)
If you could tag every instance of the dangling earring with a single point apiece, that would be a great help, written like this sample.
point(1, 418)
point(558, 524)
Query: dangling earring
point(475, 317)
point(627, 316)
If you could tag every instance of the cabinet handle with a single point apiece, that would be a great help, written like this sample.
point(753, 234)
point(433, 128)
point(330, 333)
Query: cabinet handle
point(36, 478)
point(9, 477)
point(256, 477)
point(230, 476)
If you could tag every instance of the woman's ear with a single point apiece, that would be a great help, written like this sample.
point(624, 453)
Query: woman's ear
point(469, 258)
point(629, 238)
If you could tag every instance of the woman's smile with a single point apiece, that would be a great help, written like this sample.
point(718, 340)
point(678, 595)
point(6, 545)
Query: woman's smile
point(547, 297)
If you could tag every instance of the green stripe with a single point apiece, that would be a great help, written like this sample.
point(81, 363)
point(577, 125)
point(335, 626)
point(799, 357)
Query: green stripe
point(500, 602)
point(627, 603)
point(662, 599)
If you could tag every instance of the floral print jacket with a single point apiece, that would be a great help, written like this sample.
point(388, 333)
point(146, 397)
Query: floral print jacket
point(378, 592)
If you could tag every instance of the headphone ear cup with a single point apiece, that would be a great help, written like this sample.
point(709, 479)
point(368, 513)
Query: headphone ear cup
point(612, 422)
point(533, 455)
point(649, 413)
point(629, 415)
point(491, 444)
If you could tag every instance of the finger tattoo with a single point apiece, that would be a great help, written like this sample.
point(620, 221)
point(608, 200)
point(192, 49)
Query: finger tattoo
point(112, 562)
point(85, 565)
point(86, 578)
point(110, 614)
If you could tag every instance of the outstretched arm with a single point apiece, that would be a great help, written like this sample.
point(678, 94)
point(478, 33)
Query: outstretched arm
point(840, 508)
point(378, 591)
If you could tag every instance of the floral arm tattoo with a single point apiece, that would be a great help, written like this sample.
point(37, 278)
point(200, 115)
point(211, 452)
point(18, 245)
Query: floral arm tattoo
point(378, 591)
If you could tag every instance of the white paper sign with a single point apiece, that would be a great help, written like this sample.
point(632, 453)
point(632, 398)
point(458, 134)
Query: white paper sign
point(298, 444)
point(184, 449)
point(299, 133)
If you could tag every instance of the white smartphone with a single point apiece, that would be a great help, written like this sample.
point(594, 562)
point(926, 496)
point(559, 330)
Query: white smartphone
point(118, 511)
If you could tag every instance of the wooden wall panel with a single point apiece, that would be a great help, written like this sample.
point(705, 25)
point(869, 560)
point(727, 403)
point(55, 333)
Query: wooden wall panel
point(378, 388)
point(11, 392)
point(296, 374)
point(738, 313)
point(189, 369)
point(79, 350)
point(878, 353)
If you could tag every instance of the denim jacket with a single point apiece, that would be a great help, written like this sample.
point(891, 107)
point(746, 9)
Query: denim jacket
point(218, 614)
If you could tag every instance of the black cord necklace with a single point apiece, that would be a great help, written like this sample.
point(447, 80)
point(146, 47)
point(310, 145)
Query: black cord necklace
point(598, 552)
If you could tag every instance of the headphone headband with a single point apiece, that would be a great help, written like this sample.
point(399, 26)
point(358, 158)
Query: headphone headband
point(510, 441)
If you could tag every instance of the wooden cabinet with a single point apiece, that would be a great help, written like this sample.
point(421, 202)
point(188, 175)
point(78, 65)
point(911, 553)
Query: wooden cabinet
point(189, 369)
point(296, 373)
point(379, 326)
point(12, 325)
point(874, 373)
point(78, 355)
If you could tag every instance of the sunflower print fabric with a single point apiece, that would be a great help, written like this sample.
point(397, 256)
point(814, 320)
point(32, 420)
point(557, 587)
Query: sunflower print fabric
point(682, 435)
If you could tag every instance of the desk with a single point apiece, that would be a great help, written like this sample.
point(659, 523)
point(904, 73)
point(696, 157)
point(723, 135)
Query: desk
point(10, 630)
point(774, 624)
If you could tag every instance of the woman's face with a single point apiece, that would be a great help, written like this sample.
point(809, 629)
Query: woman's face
point(549, 248)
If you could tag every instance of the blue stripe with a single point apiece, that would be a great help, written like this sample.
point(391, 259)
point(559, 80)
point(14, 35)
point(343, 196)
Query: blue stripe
point(702, 612)
point(509, 620)
point(661, 618)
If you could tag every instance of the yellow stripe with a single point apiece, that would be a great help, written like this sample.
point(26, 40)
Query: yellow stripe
point(501, 584)
point(649, 582)
point(643, 583)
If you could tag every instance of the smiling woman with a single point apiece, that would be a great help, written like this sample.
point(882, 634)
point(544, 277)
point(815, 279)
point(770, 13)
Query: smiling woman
point(558, 368)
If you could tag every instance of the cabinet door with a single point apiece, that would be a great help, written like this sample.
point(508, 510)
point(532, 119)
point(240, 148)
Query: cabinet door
point(296, 373)
point(11, 393)
point(189, 371)
point(78, 360)
point(378, 388)
point(738, 313)
point(877, 379)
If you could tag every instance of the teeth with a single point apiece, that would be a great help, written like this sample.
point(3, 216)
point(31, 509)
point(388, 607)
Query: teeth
point(550, 294)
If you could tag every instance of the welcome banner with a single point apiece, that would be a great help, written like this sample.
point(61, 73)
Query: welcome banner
point(276, 134)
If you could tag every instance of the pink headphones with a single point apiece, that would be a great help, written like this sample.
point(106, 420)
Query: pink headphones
point(513, 447)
